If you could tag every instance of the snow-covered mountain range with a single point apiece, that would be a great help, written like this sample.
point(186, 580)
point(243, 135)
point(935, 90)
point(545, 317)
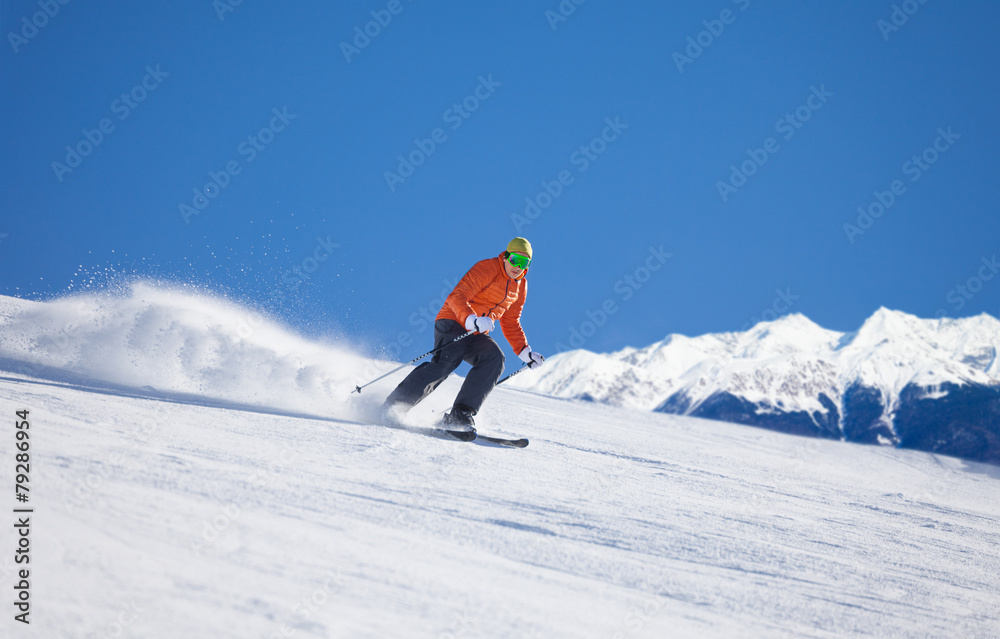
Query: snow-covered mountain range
point(899, 380)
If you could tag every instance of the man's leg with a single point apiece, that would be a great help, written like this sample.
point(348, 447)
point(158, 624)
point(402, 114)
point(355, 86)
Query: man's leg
point(424, 379)
point(487, 360)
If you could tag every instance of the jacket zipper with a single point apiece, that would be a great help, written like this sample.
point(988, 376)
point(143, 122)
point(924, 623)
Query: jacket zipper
point(506, 291)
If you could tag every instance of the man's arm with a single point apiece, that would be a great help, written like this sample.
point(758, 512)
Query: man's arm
point(475, 280)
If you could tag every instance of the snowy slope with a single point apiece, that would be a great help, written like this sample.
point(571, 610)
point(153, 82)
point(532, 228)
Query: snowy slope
point(173, 510)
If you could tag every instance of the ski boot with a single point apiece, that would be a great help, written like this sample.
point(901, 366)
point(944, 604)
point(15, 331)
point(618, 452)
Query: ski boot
point(459, 423)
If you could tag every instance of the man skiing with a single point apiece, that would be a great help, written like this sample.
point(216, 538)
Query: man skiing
point(493, 291)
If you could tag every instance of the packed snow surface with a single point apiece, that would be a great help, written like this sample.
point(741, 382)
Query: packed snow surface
point(192, 479)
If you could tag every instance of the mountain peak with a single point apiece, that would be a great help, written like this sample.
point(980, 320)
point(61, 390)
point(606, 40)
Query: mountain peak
point(789, 333)
point(888, 317)
point(794, 322)
point(887, 324)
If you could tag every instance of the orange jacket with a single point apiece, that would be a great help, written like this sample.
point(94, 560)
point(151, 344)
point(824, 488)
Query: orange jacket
point(487, 290)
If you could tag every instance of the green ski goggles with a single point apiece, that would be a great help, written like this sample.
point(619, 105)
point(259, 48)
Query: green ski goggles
point(518, 261)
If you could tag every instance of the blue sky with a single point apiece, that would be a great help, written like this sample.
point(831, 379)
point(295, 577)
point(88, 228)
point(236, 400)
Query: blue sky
point(693, 166)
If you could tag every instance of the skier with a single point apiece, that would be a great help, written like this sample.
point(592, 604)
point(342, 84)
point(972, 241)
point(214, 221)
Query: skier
point(492, 291)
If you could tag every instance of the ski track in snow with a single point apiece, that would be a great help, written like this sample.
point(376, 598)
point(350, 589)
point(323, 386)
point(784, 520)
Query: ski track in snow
point(281, 512)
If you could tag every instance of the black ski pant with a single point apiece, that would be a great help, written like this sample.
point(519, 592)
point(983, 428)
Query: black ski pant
point(479, 350)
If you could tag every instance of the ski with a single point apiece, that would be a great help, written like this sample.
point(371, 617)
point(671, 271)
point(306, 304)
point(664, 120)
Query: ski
point(472, 435)
point(458, 435)
point(468, 436)
point(511, 443)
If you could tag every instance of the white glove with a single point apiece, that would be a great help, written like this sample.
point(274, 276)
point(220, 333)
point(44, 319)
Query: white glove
point(479, 324)
point(531, 358)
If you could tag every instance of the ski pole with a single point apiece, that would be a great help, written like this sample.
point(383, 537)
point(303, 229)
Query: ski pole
point(523, 368)
point(357, 389)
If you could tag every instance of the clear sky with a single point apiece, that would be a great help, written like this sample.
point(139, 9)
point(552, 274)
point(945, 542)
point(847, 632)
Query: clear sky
point(690, 167)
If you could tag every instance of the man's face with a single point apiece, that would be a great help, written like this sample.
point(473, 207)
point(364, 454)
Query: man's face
point(512, 271)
